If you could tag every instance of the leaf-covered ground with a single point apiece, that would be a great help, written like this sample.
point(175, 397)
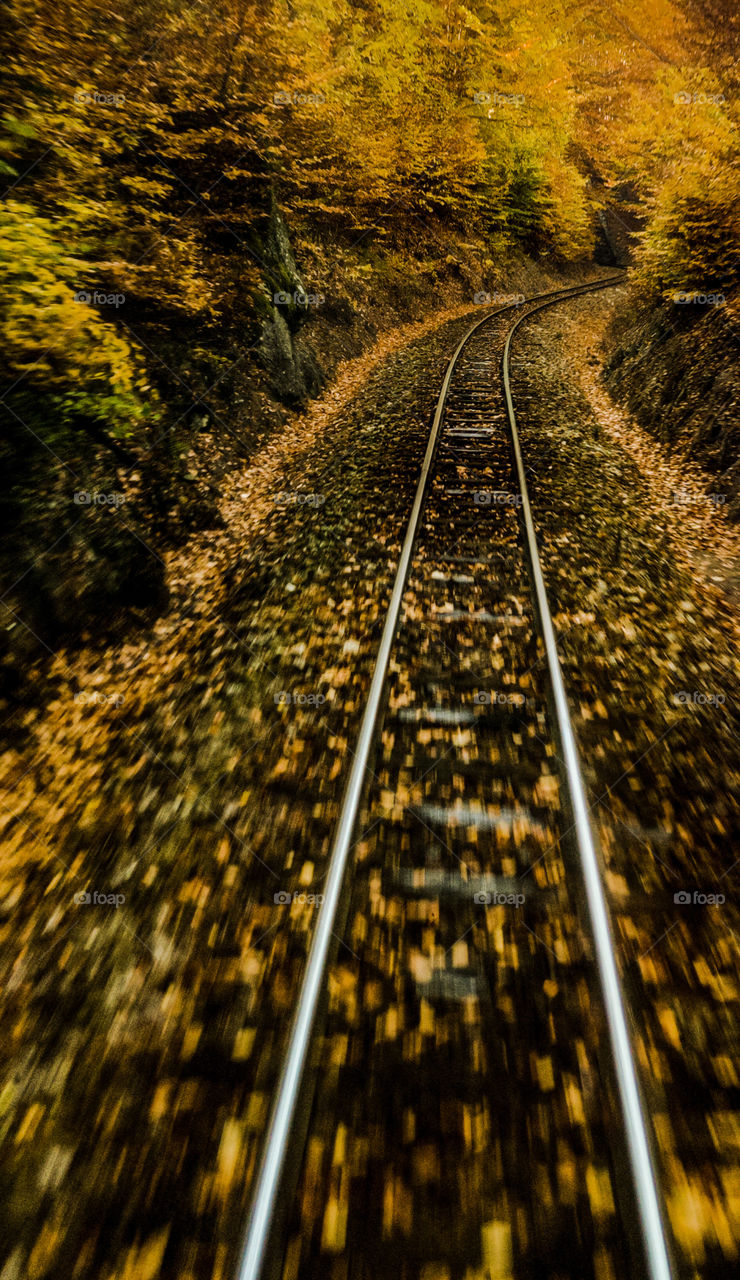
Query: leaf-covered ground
point(642, 573)
point(140, 1039)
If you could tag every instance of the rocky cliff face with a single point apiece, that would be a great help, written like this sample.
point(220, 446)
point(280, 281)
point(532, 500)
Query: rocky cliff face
point(293, 370)
point(676, 367)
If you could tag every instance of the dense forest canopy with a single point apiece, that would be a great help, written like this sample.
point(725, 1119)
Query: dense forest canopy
point(171, 169)
point(216, 212)
point(139, 146)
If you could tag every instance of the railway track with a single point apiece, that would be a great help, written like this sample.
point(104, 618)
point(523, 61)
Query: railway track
point(468, 1103)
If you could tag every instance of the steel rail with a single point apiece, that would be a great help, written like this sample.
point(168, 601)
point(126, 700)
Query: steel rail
point(257, 1235)
point(642, 1168)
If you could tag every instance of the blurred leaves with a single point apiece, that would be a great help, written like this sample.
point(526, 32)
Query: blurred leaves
point(50, 338)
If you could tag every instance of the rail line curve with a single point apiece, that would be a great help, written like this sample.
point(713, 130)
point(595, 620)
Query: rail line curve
point(465, 446)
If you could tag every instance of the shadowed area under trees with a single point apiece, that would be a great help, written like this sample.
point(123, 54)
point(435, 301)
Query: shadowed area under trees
point(239, 244)
point(182, 166)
